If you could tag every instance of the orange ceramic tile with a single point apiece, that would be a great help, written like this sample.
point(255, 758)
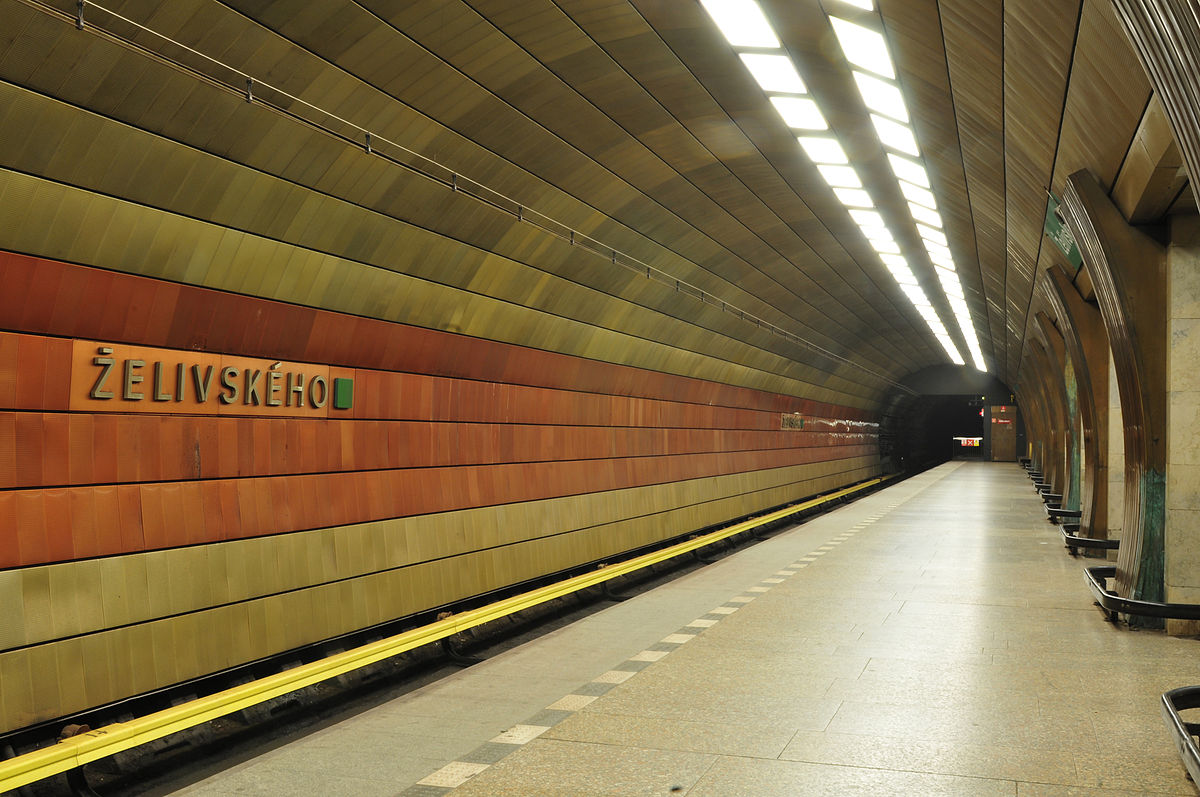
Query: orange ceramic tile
point(207, 434)
point(10, 552)
point(56, 452)
point(280, 510)
point(310, 497)
point(9, 465)
point(192, 526)
point(41, 293)
point(155, 534)
point(229, 510)
point(383, 345)
point(107, 514)
point(30, 449)
point(9, 344)
point(130, 518)
point(81, 450)
point(31, 372)
point(59, 525)
point(170, 456)
point(162, 310)
point(128, 449)
point(246, 524)
point(17, 277)
point(70, 301)
point(101, 307)
point(106, 448)
point(85, 539)
point(32, 542)
point(56, 389)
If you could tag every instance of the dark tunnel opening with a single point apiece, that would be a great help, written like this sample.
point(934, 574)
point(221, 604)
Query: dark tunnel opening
point(947, 414)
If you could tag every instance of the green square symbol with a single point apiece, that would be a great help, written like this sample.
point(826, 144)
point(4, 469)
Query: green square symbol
point(343, 393)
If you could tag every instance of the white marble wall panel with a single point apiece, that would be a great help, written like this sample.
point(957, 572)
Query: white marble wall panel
point(1183, 413)
point(1116, 458)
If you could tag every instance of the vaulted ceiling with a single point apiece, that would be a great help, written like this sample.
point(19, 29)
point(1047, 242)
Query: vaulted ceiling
point(601, 177)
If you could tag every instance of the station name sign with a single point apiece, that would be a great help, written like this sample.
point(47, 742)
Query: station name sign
point(116, 378)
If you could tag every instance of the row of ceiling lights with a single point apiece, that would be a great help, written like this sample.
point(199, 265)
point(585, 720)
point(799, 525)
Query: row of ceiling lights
point(745, 26)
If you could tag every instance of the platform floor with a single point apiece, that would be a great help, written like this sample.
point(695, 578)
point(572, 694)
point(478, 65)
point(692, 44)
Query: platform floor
point(933, 638)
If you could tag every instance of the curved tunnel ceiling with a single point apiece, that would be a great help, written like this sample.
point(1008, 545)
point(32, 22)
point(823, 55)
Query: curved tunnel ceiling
point(598, 177)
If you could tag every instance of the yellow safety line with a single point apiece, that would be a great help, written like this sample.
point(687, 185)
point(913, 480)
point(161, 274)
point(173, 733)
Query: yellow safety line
point(94, 745)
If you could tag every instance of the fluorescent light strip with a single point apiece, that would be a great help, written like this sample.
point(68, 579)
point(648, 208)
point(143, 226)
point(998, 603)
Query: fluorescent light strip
point(863, 47)
point(942, 261)
point(925, 215)
point(908, 169)
point(744, 25)
point(895, 135)
point(800, 113)
point(854, 197)
point(950, 283)
point(881, 96)
point(840, 176)
point(903, 275)
point(935, 249)
point(823, 150)
point(867, 218)
point(868, 49)
point(742, 22)
point(930, 234)
point(917, 195)
point(774, 73)
point(916, 295)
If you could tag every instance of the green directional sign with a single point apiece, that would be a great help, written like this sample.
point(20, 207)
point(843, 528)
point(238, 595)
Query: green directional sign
point(1061, 233)
point(343, 394)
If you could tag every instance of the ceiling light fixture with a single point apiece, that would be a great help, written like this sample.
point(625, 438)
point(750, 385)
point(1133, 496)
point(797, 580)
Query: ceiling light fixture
point(774, 73)
point(910, 170)
point(925, 215)
point(863, 47)
point(867, 218)
point(881, 96)
point(895, 135)
point(840, 176)
point(930, 234)
point(823, 150)
point(854, 197)
point(917, 195)
point(742, 22)
point(876, 233)
point(744, 25)
point(800, 113)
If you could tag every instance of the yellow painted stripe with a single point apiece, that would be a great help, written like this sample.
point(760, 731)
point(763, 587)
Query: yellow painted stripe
point(106, 741)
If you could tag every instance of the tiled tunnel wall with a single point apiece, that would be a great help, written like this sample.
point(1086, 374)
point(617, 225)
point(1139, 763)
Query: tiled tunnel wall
point(146, 542)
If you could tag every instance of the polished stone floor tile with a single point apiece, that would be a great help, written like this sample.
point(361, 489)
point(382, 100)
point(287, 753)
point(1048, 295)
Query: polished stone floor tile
point(930, 639)
point(759, 740)
point(1054, 790)
point(741, 777)
point(996, 761)
point(570, 769)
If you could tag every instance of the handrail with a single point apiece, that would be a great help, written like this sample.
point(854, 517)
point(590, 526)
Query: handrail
point(93, 745)
point(1183, 733)
point(1112, 603)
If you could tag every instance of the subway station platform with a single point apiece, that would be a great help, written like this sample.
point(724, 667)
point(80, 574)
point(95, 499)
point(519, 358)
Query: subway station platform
point(933, 638)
